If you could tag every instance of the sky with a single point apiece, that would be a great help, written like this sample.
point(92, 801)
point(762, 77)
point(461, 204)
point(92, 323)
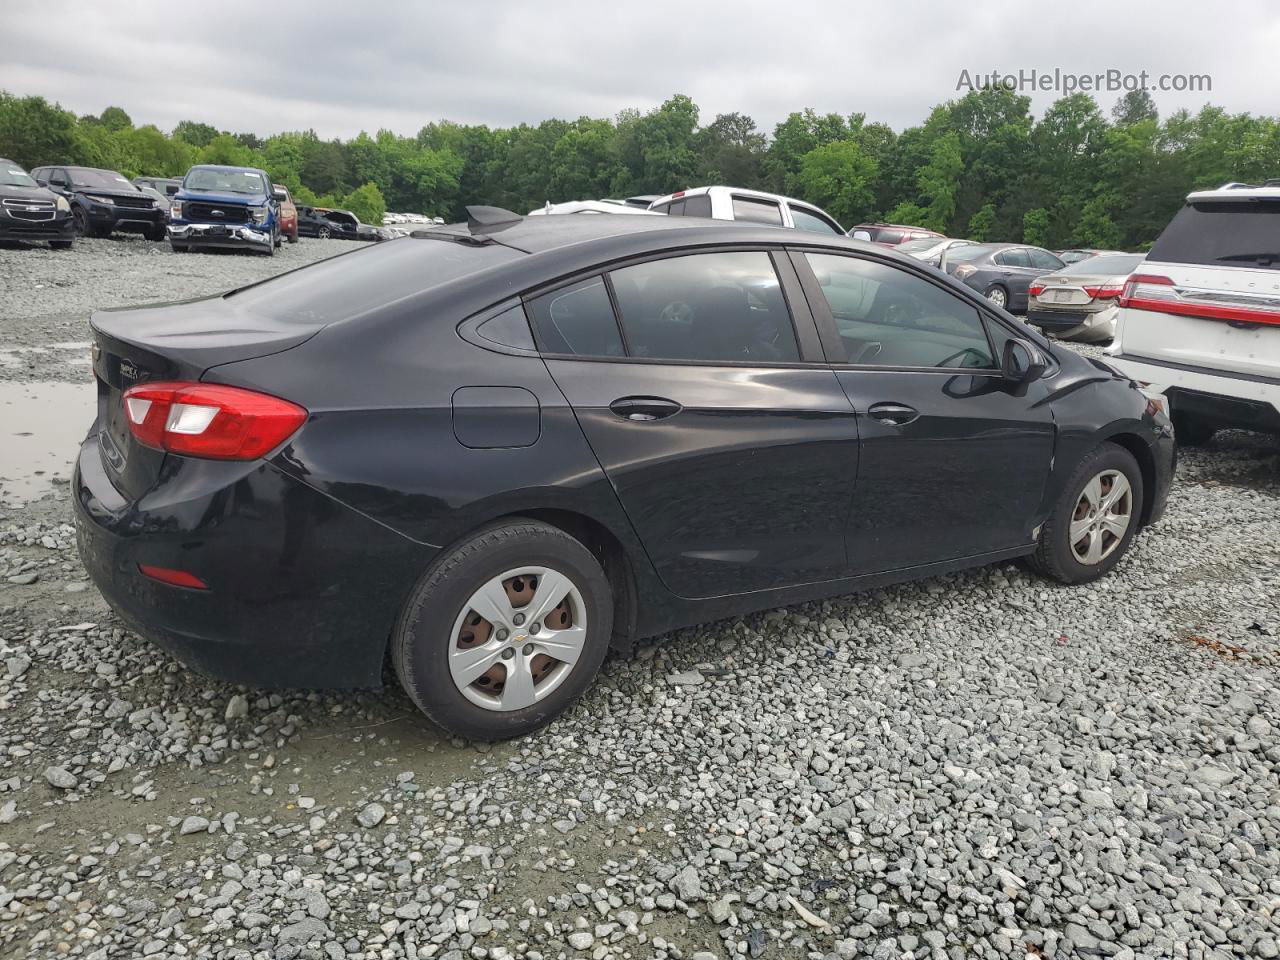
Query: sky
point(342, 67)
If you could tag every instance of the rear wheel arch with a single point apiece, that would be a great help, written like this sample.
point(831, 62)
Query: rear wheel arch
point(612, 556)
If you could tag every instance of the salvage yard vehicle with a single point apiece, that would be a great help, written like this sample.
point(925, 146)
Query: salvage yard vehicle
point(1080, 302)
point(167, 186)
point(753, 206)
point(496, 449)
point(222, 206)
point(312, 222)
point(29, 211)
point(1001, 272)
point(590, 206)
point(1075, 256)
point(930, 249)
point(1200, 320)
point(103, 201)
point(288, 212)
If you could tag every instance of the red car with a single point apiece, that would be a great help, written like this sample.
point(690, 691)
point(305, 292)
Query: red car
point(288, 213)
point(890, 234)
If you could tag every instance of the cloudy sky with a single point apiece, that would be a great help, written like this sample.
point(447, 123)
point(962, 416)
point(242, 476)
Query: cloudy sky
point(340, 67)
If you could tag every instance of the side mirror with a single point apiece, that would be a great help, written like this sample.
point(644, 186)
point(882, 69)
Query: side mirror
point(1022, 361)
point(43, 183)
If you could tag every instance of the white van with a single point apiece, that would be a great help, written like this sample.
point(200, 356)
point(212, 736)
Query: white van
point(1200, 320)
point(756, 206)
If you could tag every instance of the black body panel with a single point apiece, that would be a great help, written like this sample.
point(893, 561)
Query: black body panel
point(770, 485)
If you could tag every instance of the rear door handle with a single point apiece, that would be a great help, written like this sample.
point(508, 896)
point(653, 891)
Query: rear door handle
point(899, 414)
point(643, 409)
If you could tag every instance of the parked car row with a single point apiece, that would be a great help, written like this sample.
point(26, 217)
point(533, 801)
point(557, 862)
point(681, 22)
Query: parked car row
point(212, 206)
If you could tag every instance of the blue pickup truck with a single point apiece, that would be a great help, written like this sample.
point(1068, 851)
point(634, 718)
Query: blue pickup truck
point(225, 207)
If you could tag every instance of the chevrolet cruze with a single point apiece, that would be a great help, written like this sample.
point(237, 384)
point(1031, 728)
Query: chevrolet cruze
point(490, 452)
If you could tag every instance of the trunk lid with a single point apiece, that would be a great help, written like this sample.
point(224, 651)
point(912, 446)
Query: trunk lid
point(178, 341)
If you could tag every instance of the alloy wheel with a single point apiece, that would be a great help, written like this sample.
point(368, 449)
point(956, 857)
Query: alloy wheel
point(323, 233)
point(517, 638)
point(997, 296)
point(1101, 517)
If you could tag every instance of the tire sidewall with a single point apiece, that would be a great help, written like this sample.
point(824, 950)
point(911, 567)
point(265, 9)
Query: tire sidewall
point(1107, 457)
point(424, 634)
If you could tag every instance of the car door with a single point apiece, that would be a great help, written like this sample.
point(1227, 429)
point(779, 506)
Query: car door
point(954, 458)
point(1015, 273)
point(729, 442)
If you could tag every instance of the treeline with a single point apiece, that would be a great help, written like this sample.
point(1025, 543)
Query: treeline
point(981, 166)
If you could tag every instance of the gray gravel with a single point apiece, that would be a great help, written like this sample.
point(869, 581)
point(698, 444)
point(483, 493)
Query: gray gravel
point(980, 765)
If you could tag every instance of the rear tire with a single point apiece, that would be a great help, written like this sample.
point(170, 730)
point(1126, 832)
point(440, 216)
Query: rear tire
point(324, 233)
point(1189, 431)
point(1084, 538)
point(504, 570)
point(998, 295)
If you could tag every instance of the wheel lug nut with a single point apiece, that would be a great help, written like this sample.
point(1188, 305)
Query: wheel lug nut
point(534, 628)
point(518, 619)
point(508, 653)
point(502, 634)
point(528, 649)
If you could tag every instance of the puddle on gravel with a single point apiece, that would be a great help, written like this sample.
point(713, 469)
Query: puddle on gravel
point(72, 352)
point(41, 426)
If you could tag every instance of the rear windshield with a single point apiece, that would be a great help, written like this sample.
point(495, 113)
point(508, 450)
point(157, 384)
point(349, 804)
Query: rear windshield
point(1107, 265)
point(366, 279)
point(1227, 233)
point(969, 251)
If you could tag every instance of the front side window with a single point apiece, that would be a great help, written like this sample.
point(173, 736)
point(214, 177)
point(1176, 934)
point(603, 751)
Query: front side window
point(811, 222)
point(709, 307)
point(889, 317)
point(756, 210)
point(577, 320)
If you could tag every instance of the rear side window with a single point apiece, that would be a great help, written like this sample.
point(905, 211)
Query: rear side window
point(1013, 258)
point(710, 307)
point(889, 317)
point(661, 208)
point(366, 279)
point(1224, 234)
point(889, 236)
point(757, 210)
point(577, 320)
point(699, 205)
point(811, 222)
point(677, 209)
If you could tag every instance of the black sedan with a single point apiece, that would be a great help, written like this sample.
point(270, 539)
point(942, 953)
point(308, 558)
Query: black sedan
point(493, 451)
point(1001, 272)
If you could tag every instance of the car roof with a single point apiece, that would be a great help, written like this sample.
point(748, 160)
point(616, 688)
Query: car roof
point(1236, 191)
point(741, 191)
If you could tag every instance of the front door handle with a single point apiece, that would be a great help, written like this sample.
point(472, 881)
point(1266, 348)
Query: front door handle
point(899, 414)
point(643, 409)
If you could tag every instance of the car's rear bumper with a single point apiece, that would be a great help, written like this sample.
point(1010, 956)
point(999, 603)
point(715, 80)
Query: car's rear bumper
point(1216, 397)
point(1089, 326)
point(242, 235)
point(302, 591)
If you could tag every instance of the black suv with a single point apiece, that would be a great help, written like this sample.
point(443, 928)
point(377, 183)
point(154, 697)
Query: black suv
point(103, 201)
point(30, 212)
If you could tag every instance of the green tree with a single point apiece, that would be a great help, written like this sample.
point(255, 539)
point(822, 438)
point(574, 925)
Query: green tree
point(939, 181)
point(840, 178)
point(34, 132)
point(196, 134)
point(981, 222)
point(908, 213)
point(366, 203)
point(1035, 226)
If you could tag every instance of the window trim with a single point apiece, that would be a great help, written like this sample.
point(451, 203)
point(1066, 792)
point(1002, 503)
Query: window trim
point(833, 344)
point(803, 323)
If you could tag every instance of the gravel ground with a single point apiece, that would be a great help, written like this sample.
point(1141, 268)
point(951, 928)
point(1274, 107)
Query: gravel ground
point(980, 765)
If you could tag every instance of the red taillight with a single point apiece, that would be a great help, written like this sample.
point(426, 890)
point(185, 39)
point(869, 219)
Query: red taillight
point(1108, 291)
point(175, 578)
point(1141, 284)
point(1036, 289)
point(209, 420)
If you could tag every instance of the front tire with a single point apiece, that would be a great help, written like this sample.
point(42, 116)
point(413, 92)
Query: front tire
point(1095, 519)
point(157, 233)
point(504, 631)
point(60, 244)
point(324, 233)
